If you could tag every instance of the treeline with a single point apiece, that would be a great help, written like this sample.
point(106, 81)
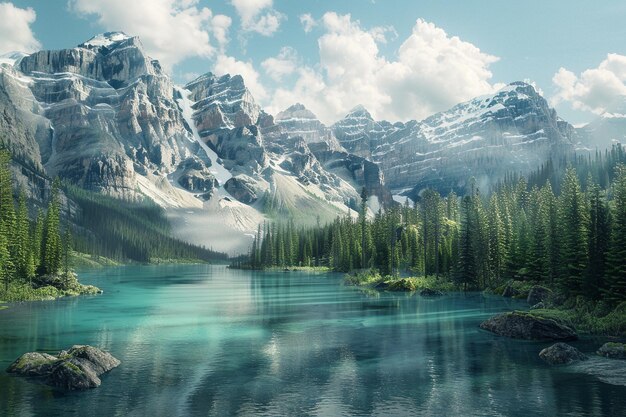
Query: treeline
point(573, 239)
point(29, 249)
point(128, 230)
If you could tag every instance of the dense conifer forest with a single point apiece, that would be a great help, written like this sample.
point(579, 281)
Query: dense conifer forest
point(564, 225)
point(129, 230)
point(36, 246)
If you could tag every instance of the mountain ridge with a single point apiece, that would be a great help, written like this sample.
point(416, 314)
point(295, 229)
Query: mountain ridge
point(106, 117)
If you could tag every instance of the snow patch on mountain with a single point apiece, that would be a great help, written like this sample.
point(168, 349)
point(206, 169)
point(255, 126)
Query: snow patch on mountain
point(106, 39)
point(217, 169)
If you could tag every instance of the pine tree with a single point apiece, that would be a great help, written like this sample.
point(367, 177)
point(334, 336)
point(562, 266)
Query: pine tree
point(598, 240)
point(363, 223)
point(552, 240)
point(573, 233)
point(52, 246)
point(466, 268)
point(616, 272)
point(24, 256)
point(497, 246)
point(7, 220)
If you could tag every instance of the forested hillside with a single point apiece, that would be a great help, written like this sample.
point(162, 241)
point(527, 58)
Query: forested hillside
point(565, 226)
point(127, 230)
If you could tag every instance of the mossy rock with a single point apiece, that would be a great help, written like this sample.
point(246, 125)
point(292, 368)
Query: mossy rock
point(73, 374)
point(33, 364)
point(613, 350)
point(402, 284)
point(78, 368)
point(561, 354)
point(522, 325)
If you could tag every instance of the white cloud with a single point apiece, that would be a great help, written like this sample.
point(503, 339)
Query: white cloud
point(229, 65)
point(170, 30)
point(258, 16)
point(15, 31)
point(220, 24)
point(307, 21)
point(594, 89)
point(381, 33)
point(283, 64)
point(431, 72)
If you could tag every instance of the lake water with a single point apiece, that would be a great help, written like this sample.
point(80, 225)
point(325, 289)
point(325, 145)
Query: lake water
point(209, 341)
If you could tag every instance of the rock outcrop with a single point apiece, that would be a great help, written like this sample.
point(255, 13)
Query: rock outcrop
point(299, 122)
point(520, 325)
point(561, 354)
point(485, 138)
point(110, 112)
point(613, 350)
point(79, 368)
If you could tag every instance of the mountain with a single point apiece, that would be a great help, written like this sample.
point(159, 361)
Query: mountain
point(513, 130)
point(298, 121)
point(608, 128)
point(105, 117)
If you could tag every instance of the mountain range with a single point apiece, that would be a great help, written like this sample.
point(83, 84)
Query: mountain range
point(105, 117)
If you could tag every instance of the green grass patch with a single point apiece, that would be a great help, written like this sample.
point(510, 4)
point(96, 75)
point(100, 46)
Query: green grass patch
point(519, 288)
point(589, 318)
point(363, 278)
point(169, 261)
point(86, 261)
point(46, 288)
point(374, 279)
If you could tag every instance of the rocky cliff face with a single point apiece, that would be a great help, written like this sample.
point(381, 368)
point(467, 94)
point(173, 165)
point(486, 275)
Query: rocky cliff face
point(265, 163)
point(112, 114)
point(513, 130)
point(299, 122)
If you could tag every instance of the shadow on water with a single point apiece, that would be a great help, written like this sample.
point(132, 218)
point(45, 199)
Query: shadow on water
point(198, 340)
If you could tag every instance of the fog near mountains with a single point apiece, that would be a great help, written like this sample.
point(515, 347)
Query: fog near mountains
point(106, 117)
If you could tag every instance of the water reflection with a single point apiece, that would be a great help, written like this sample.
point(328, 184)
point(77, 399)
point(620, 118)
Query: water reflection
point(198, 340)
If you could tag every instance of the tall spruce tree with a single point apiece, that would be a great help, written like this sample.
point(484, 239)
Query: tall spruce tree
point(573, 231)
point(616, 273)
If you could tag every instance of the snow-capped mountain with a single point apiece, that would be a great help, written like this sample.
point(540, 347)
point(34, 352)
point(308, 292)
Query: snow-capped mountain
point(513, 130)
point(608, 128)
point(104, 116)
point(298, 121)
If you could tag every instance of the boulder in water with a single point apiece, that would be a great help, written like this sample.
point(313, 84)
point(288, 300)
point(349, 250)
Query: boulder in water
point(73, 374)
point(33, 364)
point(561, 354)
point(613, 350)
point(78, 368)
point(520, 325)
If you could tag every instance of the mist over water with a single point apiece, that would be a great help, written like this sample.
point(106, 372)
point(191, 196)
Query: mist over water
point(206, 340)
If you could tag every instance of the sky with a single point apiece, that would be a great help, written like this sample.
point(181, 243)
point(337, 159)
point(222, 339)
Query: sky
point(401, 59)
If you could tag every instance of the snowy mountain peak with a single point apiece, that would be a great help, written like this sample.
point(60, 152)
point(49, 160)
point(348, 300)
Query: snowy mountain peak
point(518, 88)
point(297, 111)
point(11, 58)
point(359, 111)
point(105, 40)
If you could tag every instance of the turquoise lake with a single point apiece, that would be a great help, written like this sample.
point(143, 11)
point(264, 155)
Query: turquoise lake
point(199, 340)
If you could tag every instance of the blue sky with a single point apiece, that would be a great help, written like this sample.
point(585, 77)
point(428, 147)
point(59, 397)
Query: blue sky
point(374, 53)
